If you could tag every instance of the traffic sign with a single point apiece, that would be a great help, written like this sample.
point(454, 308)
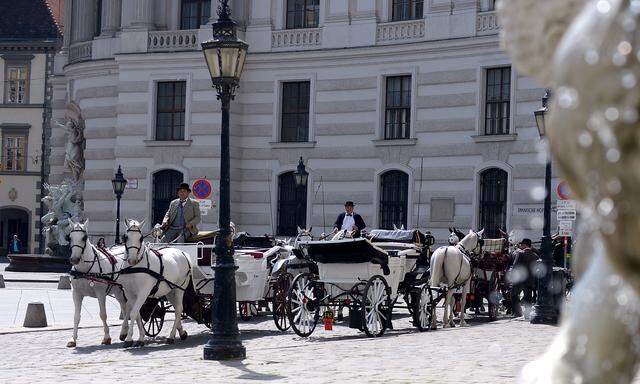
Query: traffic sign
point(205, 206)
point(566, 224)
point(566, 214)
point(567, 204)
point(201, 189)
point(563, 190)
point(565, 232)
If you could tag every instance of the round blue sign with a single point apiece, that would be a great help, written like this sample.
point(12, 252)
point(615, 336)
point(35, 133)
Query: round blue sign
point(201, 189)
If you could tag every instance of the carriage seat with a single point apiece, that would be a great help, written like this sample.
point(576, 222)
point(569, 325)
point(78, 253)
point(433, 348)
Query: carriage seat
point(349, 251)
point(401, 236)
point(202, 236)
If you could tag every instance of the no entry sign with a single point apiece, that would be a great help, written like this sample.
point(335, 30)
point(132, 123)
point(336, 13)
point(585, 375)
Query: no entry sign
point(201, 189)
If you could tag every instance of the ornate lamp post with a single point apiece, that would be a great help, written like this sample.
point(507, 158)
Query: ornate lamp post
point(544, 309)
point(119, 183)
point(225, 55)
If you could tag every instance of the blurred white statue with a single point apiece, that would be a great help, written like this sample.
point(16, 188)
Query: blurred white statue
point(587, 51)
point(64, 205)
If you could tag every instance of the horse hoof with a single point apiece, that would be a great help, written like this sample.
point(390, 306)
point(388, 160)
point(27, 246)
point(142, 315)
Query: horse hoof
point(123, 337)
point(106, 341)
point(170, 340)
point(183, 335)
point(127, 344)
point(71, 344)
point(138, 344)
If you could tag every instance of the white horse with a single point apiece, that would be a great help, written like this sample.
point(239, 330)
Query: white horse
point(94, 276)
point(451, 266)
point(175, 268)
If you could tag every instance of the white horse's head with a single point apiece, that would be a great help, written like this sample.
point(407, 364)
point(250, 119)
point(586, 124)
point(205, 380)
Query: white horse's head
point(453, 237)
point(132, 240)
point(78, 240)
point(471, 242)
point(304, 235)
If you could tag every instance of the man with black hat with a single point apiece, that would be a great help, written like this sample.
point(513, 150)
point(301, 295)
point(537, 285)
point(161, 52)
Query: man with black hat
point(350, 221)
point(182, 217)
point(521, 276)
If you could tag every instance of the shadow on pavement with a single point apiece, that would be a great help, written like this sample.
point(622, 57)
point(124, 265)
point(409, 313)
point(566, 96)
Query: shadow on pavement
point(249, 374)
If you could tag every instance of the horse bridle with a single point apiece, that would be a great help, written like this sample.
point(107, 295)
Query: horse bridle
point(127, 248)
point(84, 239)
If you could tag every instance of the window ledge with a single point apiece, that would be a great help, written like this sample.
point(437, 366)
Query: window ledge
point(292, 144)
point(168, 143)
point(494, 138)
point(394, 142)
point(20, 105)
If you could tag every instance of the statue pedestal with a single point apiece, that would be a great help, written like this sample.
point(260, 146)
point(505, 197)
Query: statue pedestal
point(37, 263)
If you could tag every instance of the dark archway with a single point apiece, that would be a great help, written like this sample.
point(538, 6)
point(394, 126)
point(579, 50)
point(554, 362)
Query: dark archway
point(165, 185)
point(394, 199)
point(292, 205)
point(493, 201)
point(14, 221)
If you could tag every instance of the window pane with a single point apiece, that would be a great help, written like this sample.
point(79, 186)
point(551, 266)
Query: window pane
point(498, 101)
point(170, 106)
point(295, 111)
point(398, 108)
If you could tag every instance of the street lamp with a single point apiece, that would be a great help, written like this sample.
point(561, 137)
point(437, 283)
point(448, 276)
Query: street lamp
point(119, 183)
point(225, 55)
point(301, 175)
point(544, 311)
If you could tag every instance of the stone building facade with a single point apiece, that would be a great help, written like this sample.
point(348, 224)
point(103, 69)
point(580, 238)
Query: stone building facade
point(410, 108)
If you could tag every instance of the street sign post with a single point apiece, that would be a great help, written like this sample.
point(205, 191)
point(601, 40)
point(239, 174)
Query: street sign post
point(566, 214)
point(567, 204)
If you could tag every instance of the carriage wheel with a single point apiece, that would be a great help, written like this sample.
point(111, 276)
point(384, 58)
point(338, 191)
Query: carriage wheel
point(207, 315)
point(153, 326)
point(409, 301)
point(423, 309)
point(280, 292)
point(303, 306)
point(376, 303)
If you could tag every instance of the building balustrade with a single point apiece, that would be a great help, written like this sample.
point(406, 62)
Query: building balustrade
point(80, 51)
point(400, 31)
point(487, 23)
point(297, 38)
point(165, 41)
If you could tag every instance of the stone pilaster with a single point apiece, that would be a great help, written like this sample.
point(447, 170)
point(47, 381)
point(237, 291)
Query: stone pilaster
point(83, 21)
point(68, 17)
point(111, 11)
point(138, 15)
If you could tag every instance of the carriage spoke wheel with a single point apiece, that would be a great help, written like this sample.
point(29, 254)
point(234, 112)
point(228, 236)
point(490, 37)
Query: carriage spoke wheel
point(409, 301)
point(280, 292)
point(423, 309)
point(153, 326)
point(303, 305)
point(376, 306)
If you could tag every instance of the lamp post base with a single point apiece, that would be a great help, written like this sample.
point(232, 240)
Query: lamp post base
point(544, 314)
point(224, 349)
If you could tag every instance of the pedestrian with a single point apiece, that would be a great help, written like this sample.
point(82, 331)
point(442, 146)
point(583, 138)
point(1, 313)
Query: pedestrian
point(349, 220)
point(182, 217)
point(521, 277)
point(15, 245)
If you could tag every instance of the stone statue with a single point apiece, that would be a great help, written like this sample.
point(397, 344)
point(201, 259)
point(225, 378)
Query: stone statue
point(64, 205)
point(588, 52)
point(74, 148)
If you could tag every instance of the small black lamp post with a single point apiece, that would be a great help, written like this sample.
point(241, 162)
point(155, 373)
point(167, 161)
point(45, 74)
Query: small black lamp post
point(544, 311)
point(119, 183)
point(225, 55)
point(301, 175)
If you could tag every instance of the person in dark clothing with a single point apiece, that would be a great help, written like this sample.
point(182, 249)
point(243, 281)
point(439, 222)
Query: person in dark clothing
point(521, 277)
point(15, 245)
point(349, 220)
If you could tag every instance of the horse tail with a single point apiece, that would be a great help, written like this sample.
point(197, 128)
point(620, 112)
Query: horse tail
point(437, 263)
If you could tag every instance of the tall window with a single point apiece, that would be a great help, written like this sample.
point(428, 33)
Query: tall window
point(16, 84)
point(303, 13)
point(13, 152)
point(195, 13)
point(394, 198)
point(98, 17)
point(170, 110)
point(493, 201)
point(165, 184)
point(407, 10)
point(498, 101)
point(295, 111)
point(292, 205)
point(486, 5)
point(397, 121)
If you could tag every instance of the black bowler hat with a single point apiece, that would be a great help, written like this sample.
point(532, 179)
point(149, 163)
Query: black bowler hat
point(526, 242)
point(349, 204)
point(184, 186)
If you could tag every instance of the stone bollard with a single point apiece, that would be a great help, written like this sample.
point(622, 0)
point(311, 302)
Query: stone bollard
point(35, 317)
point(65, 282)
point(1, 281)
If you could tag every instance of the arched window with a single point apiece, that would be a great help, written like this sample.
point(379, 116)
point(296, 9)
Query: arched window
point(165, 185)
point(493, 201)
point(394, 199)
point(292, 205)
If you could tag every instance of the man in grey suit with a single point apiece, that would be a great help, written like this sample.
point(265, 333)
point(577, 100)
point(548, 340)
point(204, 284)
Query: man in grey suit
point(183, 216)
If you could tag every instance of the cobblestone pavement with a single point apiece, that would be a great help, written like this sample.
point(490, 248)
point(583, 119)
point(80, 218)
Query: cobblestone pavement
point(482, 353)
